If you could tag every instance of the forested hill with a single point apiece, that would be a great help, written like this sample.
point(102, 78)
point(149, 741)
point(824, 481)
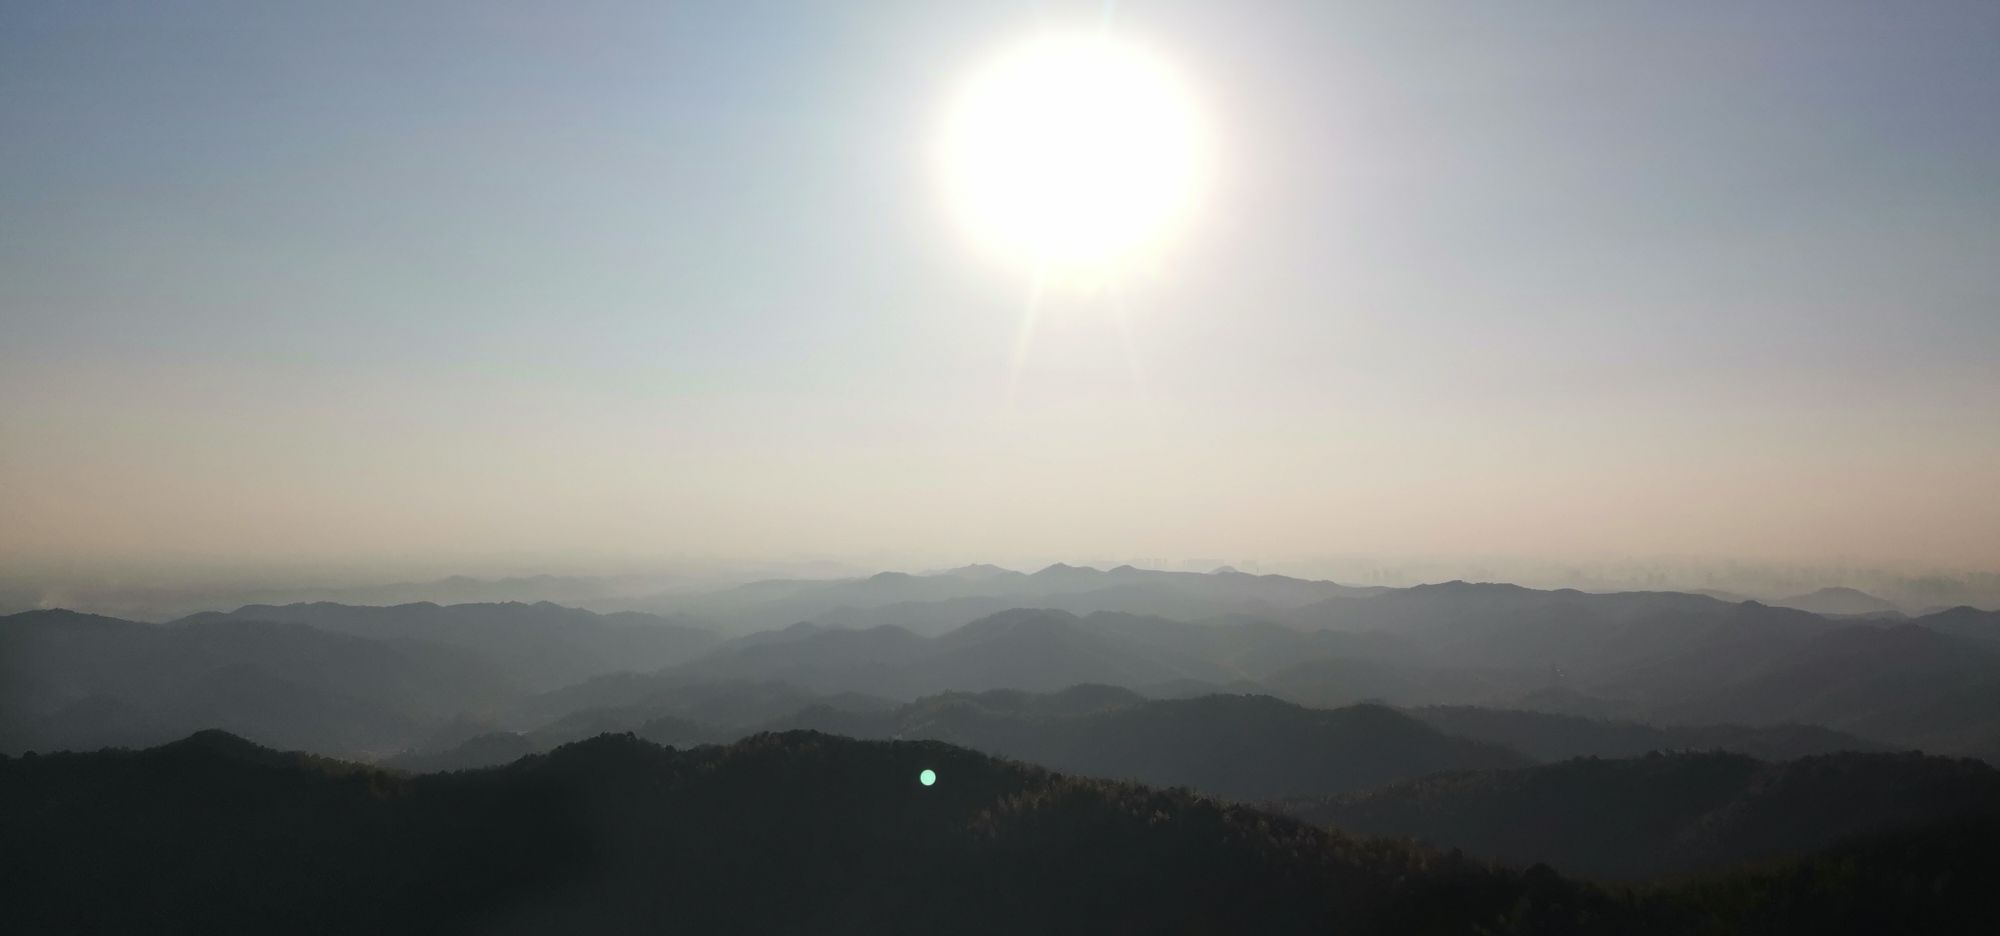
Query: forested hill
point(1667, 814)
point(791, 832)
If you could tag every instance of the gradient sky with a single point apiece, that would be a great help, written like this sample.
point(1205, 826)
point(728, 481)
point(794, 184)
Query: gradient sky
point(631, 280)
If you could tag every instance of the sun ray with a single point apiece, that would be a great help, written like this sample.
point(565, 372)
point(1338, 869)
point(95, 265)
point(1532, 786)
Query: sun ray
point(1122, 318)
point(1024, 338)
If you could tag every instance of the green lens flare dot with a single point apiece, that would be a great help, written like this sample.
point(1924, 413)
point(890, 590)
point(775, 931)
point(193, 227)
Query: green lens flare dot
point(928, 777)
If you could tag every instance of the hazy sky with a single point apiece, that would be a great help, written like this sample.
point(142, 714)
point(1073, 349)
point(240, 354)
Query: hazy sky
point(652, 279)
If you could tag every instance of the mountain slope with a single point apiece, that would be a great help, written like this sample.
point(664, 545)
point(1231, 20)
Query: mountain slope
point(1838, 602)
point(802, 832)
point(1964, 622)
point(777, 833)
point(934, 603)
point(1666, 814)
point(542, 645)
point(1905, 685)
point(1642, 645)
point(1551, 737)
point(1247, 748)
point(1241, 747)
point(79, 681)
point(1029, 649)
point(738, 705)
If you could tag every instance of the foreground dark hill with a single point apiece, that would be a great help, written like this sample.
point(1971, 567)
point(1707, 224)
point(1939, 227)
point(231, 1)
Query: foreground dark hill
point(1667, 814)
point(801, 832)
point(779, 833)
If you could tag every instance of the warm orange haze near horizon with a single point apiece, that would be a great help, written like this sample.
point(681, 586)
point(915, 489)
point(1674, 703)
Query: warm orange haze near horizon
point(393, 295)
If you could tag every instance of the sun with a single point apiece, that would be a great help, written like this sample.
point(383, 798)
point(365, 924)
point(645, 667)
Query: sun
point(1075, 154)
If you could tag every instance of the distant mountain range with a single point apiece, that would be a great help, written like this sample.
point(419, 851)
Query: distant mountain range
point(71, 680)
point(543, 645)
point(936, 603)
point(1839, 602)
point(370, 681)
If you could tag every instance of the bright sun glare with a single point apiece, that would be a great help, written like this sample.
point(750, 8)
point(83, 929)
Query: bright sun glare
point(1074, 153)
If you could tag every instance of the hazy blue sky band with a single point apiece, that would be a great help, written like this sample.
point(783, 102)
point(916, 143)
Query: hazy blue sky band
point(1492, 278)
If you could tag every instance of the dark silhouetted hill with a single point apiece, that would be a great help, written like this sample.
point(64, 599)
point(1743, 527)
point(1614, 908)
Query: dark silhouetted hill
point(801, 832)
point(1667, 814)
point(778, 833)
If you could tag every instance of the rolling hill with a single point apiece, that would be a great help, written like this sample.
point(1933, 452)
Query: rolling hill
point(1667, 814)
point(1905, 685)
point(799, 831)
point(1242, 747)
point(1839, 602)
point(1246, 748)
point(78, 681)
point(543, 646)
point(786, 832)
point(1551, 737)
